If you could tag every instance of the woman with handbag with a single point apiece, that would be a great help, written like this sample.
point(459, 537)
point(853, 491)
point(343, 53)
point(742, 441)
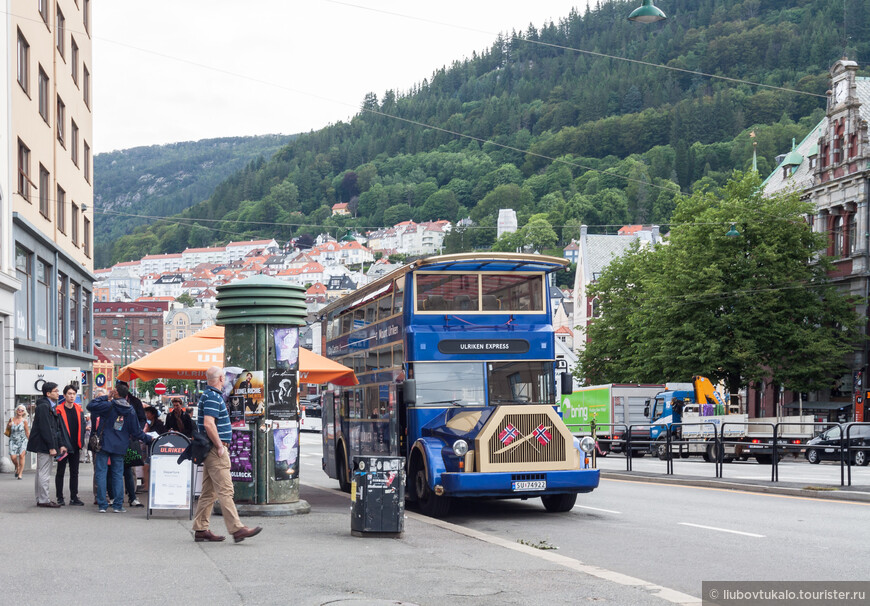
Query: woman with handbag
point(18, 431)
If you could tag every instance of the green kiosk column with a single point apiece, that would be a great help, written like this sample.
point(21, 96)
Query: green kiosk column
point(262, 317)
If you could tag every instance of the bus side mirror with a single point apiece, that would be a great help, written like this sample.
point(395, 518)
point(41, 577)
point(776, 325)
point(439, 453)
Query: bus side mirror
point(409, 392)
point(646, 409)
point(567, 383)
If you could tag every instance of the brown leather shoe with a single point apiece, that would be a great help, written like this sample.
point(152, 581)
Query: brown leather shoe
point(244, 533)
point(207, 535)
point(51, 504)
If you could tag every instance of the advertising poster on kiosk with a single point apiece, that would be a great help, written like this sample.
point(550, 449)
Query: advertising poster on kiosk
point(281, 404)
point(249, 390)
point(242, 456)
point(287, 348)
point(286, 450)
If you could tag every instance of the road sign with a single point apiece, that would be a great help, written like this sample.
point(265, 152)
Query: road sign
point(100, 380)
point(160, 389)
point(84, 378)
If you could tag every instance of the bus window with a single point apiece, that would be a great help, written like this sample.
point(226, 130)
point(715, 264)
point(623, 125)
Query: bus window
point(521, 383)
point(385, 306)
point(385, 359)
point(512, 292)
point(371, 361)
point(371, 313)
point(447, 292)
point(359, 318)
point(346, 322)
point(398, 354)
point(399, 295)
point(446, 383)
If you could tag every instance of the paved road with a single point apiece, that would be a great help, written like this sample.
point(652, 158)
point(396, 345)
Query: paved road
point(678, 536)
point(790, 470)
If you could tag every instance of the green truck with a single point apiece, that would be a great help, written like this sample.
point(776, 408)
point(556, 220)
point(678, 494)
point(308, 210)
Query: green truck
point(606, 405)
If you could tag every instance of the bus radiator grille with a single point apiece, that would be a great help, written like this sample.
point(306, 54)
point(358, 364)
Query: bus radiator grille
point(526, 448)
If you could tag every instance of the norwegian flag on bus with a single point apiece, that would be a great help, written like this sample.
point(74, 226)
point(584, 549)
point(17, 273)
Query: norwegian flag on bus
point(508, 434)
point(542, 434)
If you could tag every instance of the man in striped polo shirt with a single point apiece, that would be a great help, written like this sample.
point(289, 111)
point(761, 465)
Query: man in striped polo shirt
point(217, 484)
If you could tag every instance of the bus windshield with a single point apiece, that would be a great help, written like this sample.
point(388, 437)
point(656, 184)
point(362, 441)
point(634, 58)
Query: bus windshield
point(457, 383)
point(521, 383)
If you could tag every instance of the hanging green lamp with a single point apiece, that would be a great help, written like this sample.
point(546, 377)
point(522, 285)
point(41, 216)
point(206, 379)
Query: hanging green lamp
point(732, 233)
point(647, 13)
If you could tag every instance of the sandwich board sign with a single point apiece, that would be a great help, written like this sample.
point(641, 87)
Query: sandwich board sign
point(172, 483)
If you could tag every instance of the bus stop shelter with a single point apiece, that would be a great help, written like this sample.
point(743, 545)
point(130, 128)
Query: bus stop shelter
point(190, 357)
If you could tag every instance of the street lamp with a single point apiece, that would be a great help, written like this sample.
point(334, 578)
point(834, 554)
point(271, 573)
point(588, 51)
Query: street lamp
point(126, 345)
point(647, 13)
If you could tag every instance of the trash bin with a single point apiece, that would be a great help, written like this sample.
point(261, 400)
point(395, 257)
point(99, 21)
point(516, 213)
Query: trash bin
point(378, 496)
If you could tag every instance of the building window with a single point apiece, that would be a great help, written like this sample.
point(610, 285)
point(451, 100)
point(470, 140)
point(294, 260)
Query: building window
point(43, 301)
point(154, 332)
point(86, 15)
point(86, 85)
point(43, 191)
point(86, 243)
point(853, 233)
point(60, 31)
point(102, 334)
point(43, 9)
point(61, 121)
point(74, 141)
point(23, 170)
point(86, 321)
point(837, 237)
point(155, 343)
point(62, 334)
point(141, 333)
point(114, 333)
point(61, 210)
point(43, 94)
point(103, 321)
point(74, 228)
point(87, 160)
point(74, 290)
point(23, 63)
point(74, 59)
point(24, 273)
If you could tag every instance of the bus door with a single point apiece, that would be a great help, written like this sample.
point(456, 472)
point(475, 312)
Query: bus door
point(328, 432)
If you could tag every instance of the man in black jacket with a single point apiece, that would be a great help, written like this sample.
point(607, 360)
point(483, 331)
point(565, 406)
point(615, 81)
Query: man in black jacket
point(45, 441)
point(71, 421)
point(178, 420)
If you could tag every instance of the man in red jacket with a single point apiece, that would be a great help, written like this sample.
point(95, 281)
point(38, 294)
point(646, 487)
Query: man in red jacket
point(72, 431)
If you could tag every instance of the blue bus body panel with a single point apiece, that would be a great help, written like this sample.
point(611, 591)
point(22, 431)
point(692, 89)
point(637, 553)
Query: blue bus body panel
point(471, 484)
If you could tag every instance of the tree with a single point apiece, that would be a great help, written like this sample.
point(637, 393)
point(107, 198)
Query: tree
point(186, 299)
point(440, 205)
point(735, 309)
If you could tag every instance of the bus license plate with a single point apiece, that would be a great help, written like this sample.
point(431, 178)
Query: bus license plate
point(529, 485)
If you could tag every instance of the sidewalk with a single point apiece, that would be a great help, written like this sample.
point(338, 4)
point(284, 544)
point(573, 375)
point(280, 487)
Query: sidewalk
point(75, 555)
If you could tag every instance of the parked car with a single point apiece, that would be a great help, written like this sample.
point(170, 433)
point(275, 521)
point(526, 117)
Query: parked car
point(826, 446)
point(310, 419)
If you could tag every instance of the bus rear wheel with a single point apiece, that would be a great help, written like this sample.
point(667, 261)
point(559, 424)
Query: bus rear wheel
point(341, 472)
point(559, 503)
point(429, 503)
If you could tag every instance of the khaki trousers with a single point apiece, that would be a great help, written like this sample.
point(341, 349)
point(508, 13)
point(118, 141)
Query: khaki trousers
point(217, 485)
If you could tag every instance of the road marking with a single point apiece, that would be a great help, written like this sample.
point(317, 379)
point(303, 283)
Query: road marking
point(737, 491)
point(665, 593)
point(746, 534)
point(595, 509)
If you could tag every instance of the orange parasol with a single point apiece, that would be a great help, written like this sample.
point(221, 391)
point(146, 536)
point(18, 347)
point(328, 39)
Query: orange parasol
point(190, 357)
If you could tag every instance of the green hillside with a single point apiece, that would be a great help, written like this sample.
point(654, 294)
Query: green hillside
point(162, 180)
point(626, 137)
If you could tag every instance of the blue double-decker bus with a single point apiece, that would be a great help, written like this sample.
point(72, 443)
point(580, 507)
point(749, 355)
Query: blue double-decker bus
point(457, 370)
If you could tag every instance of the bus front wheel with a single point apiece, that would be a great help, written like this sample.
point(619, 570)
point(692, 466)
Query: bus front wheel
point(430, 503)
point(558, 503)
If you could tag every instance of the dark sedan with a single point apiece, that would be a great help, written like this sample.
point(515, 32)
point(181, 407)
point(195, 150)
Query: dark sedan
point(826, 446)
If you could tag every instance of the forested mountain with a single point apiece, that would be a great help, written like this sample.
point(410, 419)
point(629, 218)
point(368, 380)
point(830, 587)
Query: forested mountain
point(162, 180)
point(581, 137)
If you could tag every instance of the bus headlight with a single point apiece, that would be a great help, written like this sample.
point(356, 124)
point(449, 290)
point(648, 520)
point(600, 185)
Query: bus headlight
point(460, 447)
point(587, 445)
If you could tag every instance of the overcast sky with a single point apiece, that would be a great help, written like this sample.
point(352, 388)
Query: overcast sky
point(182, 70)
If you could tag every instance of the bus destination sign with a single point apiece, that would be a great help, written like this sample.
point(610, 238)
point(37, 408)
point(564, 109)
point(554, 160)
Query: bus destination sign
point(483, 346)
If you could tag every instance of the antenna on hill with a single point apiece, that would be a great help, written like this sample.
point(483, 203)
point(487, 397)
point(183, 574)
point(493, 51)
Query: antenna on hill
point(845, 37)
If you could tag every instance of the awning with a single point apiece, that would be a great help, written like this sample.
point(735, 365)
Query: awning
point(818, 405)
point(190, 357)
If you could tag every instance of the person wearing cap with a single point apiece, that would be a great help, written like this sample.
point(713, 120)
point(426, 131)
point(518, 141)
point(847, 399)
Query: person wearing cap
point(178, 420)
point(45, 442)
point(129, 473)
point(217, 484)
point(72, 430)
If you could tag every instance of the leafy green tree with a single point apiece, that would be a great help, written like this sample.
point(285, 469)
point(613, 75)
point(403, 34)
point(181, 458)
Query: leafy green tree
point(736, 309)
point(397, 214)
point(186, 299)
point(440, 205)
